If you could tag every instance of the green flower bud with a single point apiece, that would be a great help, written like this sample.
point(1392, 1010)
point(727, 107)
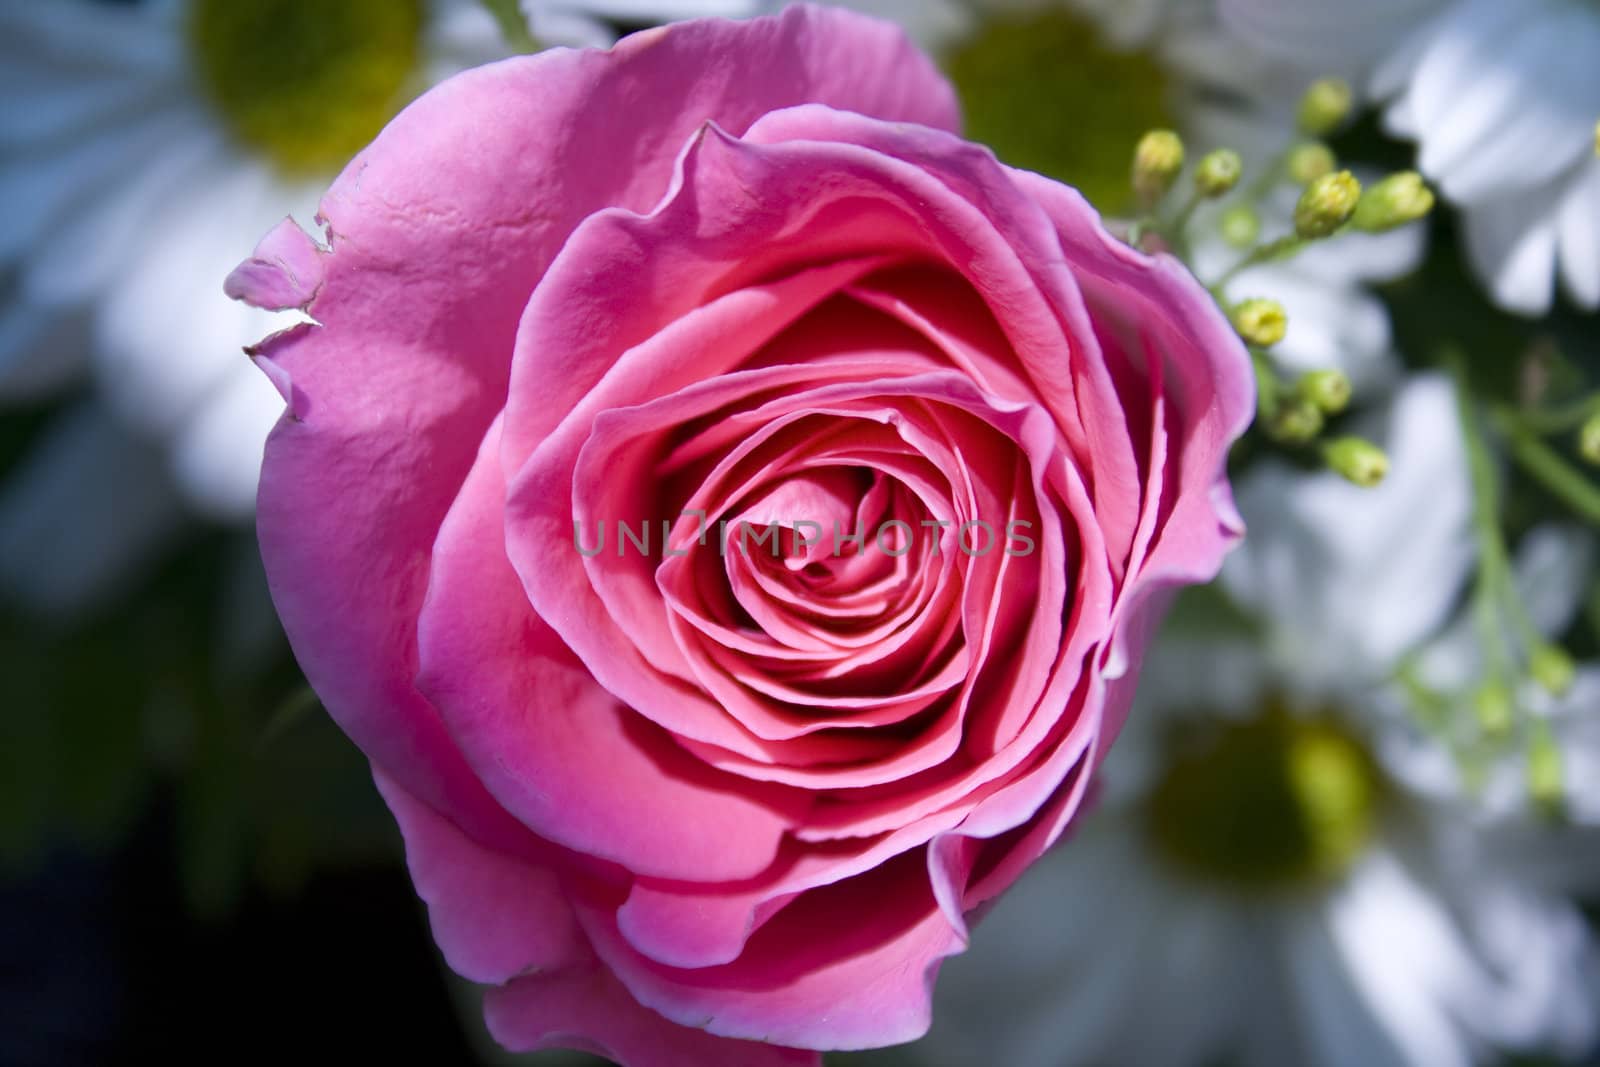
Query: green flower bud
point(1325, 106)
point(1157, 161)
point(1297, 423)
point(1240, 225)
point(1493, 706)
point(1552, 668)
point(1328, 389)
point(1357, 460)
point(1308, 161)
point(1218, 172)
point(1260, 321)
point(1589, 439)
point(1546, 776)
point(1394, 201)
point(1326, 205)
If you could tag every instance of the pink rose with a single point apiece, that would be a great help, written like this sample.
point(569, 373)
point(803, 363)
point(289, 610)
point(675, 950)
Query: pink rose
point(673, 798)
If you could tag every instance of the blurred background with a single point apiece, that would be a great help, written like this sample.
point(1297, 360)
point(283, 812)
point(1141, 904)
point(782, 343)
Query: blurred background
point(192, 857)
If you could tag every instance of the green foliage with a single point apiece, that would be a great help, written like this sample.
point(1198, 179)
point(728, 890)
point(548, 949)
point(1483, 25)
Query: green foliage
point(166, 696)
point(1048, 95)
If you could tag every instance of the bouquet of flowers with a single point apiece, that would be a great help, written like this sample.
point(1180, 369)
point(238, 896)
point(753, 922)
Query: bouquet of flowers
point(1059, 531)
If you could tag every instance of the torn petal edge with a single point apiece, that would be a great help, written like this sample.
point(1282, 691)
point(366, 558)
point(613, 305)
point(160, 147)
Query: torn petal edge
point(284, 272)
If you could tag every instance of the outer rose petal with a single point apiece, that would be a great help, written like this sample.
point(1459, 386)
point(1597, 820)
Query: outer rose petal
point(494, 916)
point(439, 231)
point(501, 920)
point(847, 966)
point(588, 1009)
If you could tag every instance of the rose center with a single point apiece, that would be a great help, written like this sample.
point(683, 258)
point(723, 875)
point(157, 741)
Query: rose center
point(305, 83)
point(1046, 93)
point(1269, 803)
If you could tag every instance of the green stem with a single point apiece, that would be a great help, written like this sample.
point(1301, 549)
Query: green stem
point(1272, 175)
point(1140, 226)
point(1180, 221)
point(1558, 420)
point(1494, 569)
point(1277, 249)
point(1549, 469)
point(513, 24)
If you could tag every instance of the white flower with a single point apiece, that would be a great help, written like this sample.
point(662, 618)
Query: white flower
point(595, 22)
point(143, 150)
point(1502, 99)
point(1258, 884)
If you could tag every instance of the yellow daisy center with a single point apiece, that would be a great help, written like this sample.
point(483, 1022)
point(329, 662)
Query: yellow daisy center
point(306, 83)
point(1270, 803)
point(1047, 94)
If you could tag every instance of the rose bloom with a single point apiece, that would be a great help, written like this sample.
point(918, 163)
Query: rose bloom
point(689, 805)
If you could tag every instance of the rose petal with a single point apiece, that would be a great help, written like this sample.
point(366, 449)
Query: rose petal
point(847, 966)
point(556, 749)
point(285, 270)
point(438, 232)
point(494, 916)
point(589, 1010)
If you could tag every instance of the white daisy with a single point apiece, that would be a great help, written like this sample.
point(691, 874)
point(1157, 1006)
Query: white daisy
point(1502, 100)
point(1257, 881)
point(143, 149)
point(596, 22)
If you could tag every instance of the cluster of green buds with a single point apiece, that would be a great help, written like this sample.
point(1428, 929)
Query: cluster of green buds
point(1294, 412)
point(1335, 201)
point(1158, 162)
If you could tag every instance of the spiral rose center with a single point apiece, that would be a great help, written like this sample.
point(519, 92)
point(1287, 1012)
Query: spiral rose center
point(1269, 803)
point(303, 83)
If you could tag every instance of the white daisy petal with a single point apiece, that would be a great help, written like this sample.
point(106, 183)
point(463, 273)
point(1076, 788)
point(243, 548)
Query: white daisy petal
point(1070, 923)
point(1506, 97)
point(1578, 227)
point(1406, 959)
point(43, 111)
point(1353, 578)
point(1345, 38)
point(1512, 245)
point(1335, 1023)
point(217, 455)
point(1394, 72)
point(38, 190)
point(86, 247)
point(155, 373)
point(88, 39)
point(462, 34)
point(1545, 988)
